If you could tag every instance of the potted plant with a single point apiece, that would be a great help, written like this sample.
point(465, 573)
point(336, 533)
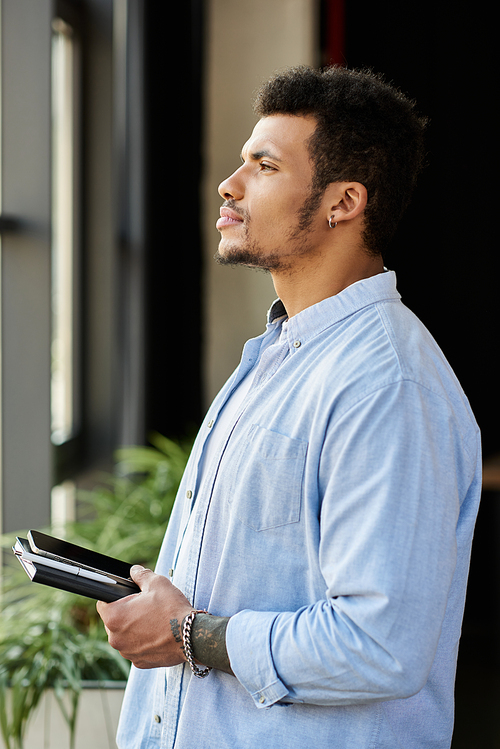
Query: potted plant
point(50, 639)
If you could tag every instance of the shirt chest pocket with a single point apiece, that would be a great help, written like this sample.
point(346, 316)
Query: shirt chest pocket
point(267, 479)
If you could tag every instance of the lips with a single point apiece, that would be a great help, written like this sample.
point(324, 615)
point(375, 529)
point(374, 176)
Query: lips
point(228, 218)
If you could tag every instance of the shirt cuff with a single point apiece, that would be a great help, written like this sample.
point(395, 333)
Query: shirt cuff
point(248, 643)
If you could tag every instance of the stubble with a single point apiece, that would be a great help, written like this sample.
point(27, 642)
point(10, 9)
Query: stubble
point(296, 242)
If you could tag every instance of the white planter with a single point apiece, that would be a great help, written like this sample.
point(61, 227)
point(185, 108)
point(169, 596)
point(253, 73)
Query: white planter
point(97, 720)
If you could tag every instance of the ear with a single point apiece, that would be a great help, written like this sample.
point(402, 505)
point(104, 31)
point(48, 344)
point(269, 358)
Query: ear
point(346, 200)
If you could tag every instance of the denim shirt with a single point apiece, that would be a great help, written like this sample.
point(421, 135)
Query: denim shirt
point(333, 523)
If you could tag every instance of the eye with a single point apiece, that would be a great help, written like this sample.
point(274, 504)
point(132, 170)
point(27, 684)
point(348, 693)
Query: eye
point(265, 167)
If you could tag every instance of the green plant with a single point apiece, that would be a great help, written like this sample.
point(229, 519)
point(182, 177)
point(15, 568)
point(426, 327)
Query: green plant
point(49, 655)
point(50, 639)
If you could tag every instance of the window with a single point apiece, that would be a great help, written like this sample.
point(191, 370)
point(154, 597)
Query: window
point(65, 348)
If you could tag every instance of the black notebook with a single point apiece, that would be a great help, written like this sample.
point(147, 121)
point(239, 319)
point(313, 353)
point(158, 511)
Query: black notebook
point(59, 564)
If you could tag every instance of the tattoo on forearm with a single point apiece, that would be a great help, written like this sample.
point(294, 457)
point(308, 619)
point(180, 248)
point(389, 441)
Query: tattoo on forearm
point(176, 630)
point(208, 640)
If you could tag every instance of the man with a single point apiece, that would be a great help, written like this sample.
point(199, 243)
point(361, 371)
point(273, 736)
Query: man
point(325, 518)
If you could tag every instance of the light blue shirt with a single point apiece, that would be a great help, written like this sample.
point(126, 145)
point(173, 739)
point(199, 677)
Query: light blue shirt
point(332, 521)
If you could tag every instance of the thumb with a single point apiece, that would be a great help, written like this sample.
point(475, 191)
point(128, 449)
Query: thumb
point(141, 576)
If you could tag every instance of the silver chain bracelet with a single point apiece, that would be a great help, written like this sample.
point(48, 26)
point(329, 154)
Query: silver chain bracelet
point(188, 651)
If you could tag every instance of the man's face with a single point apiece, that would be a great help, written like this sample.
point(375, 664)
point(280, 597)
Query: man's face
point(269, 217)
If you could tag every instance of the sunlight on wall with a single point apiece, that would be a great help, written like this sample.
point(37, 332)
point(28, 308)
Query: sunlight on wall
point(246, 43)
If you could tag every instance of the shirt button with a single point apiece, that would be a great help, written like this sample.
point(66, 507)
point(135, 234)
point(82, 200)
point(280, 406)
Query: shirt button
point(296, 344)
point(262, 699)
point(157, 719)
point(189, 494)
point(210, 423)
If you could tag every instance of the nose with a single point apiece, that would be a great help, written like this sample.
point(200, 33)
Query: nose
point(232, 187)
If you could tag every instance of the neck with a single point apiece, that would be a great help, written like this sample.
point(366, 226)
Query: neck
point(308, 283)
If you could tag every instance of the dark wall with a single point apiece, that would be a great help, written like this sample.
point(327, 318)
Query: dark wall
point(445, 252)
point(174, 294)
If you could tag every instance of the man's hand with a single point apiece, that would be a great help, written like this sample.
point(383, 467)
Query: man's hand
point(147, 627)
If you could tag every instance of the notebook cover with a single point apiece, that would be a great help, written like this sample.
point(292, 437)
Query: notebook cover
point(83, 586)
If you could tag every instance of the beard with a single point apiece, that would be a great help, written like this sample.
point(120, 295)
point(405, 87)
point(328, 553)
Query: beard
point(295, 244)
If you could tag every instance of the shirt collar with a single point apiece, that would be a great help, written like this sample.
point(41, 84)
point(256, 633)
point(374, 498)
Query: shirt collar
point(318, 317)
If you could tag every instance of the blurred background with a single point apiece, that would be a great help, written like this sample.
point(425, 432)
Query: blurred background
point(118, 119)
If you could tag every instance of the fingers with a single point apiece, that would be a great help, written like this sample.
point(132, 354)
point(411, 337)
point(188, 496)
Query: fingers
point(137, 625)
point(141, 576)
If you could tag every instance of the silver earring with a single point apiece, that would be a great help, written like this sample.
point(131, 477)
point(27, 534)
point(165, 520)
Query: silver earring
point(330, 224)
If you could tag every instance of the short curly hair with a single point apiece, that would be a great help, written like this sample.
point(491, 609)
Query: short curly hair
point(367, 131)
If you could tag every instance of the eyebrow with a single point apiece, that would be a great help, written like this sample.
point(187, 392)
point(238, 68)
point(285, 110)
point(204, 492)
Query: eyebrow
point(264, 153)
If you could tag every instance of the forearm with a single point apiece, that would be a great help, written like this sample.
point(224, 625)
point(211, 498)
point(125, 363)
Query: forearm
point(208, 641)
